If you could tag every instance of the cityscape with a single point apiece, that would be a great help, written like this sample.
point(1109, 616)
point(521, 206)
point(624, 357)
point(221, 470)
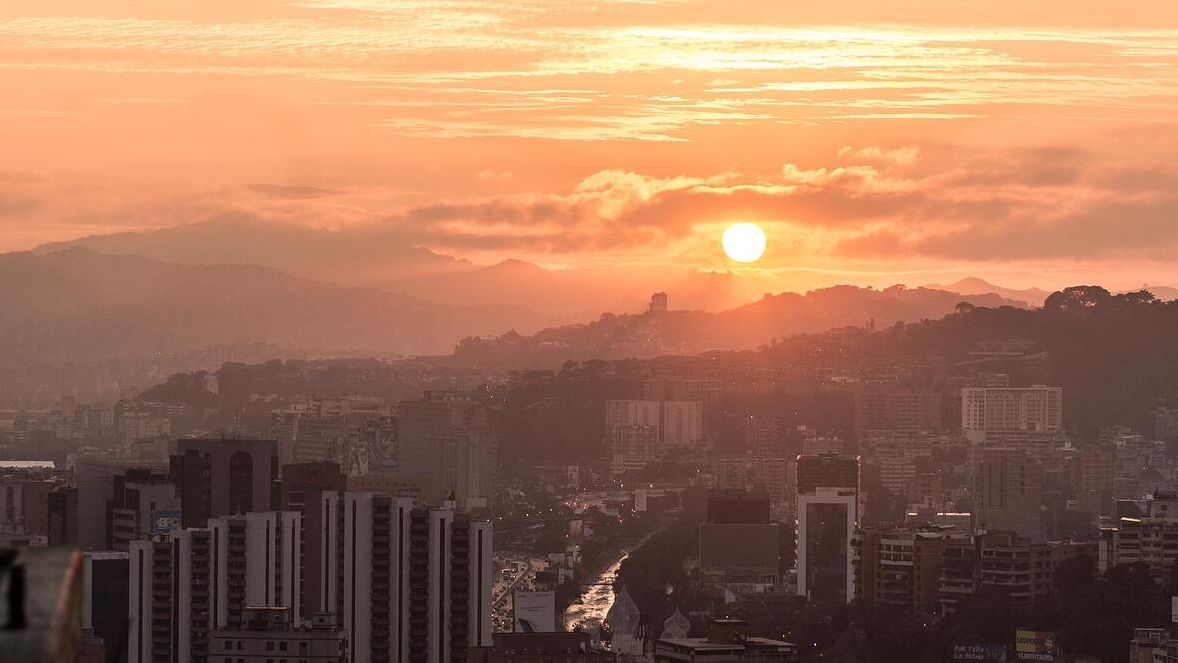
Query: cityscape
point(617, 331)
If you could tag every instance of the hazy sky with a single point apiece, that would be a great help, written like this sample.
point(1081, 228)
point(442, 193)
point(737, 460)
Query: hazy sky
point(1029, 142)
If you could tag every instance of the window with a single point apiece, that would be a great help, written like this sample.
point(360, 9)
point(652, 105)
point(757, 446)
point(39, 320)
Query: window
point(239, 644)
point(282, 645)
point(269, 645)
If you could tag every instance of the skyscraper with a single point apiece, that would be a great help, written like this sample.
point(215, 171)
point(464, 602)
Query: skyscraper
point(446, 445)
point(409, 584)
point(303, 485)
point(1008, 486)
point(828, 511)
point(218, 477)
point(199, 579)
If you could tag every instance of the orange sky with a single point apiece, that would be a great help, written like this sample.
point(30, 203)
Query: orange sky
point(908, 141)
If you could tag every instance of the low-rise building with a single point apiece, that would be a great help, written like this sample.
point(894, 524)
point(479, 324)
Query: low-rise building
point(725, 642)
point(268, 636)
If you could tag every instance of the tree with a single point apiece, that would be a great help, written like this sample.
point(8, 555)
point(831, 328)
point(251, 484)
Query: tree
point(1077, 298)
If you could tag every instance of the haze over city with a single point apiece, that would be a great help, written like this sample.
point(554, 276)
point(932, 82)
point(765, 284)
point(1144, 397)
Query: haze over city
point(591, 331)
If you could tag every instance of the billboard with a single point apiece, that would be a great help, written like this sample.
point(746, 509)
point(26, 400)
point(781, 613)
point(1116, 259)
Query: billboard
point(164, 522)
point(980, 653)
point(1034, 646)
point(533, 612)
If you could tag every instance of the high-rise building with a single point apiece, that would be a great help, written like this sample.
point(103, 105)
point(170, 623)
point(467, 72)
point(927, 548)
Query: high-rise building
point(644, 430)
point(828, 512)
point(410, 585)
point(303, 485)
point(763, 436)
point(104, 601)
point(1008, 489)
point(224, 477)
point(826, 523)
point(658, 303)
point(141, 496)
point(63, 516)
point(94, 485)
point(199, 579)
point(890, 407)
point(447, 446)
point(999, 414)
point(827, 470)
point(771, 475)
point(170, 598)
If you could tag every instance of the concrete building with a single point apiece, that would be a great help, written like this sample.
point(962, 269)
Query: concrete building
point(104, 607)
point(639, 431)
point(828, 512)
point(894, 408)
point(170, 599)
point(827, 518)
point(303, 485)
point(199, 579)
point(658, 303)
point(409, 585)
point(1008, 487)
point(996, 414)
point(763, 436)
point(572, 647)
point(1151, 539)
point(269, 636)
point(827, 470)
point(900, 569)
point(224, 477)
point(1165, 423)
point(932, 570)
point(445, 446)
point(93, 490)
point(141, 498)
point(725, 642)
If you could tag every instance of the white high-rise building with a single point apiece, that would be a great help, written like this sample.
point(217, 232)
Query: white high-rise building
point(827, 519)
point(182, 587)
point(991, 414)
point(408, 583)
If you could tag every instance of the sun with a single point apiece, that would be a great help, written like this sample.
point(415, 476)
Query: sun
point(743, 242)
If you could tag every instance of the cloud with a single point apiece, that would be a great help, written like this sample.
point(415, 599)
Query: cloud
point(1107, 200)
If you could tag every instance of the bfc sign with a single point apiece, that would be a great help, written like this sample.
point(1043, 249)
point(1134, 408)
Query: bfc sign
point(165, 522)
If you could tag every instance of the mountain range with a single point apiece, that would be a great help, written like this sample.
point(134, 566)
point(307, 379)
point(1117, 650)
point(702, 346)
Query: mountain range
point(188, 287)
point(372, 258)
point(78, 305)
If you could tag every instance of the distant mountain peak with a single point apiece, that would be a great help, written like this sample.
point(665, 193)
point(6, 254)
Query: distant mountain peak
point(516, 266)
point(972, 285)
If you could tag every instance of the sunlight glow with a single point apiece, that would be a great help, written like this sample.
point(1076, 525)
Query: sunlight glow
point(744, 242)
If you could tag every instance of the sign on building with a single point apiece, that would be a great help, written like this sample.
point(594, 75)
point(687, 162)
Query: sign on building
point(534, 612)
point(1035, 646)
point(165, 522)
point(980, 653)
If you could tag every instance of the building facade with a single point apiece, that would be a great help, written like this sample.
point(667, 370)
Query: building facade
point(992, 414)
